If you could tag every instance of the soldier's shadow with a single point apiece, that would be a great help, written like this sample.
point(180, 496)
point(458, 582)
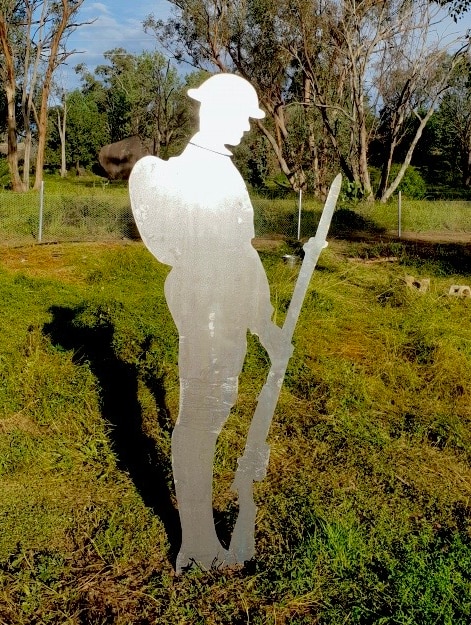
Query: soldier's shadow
point(136, 452)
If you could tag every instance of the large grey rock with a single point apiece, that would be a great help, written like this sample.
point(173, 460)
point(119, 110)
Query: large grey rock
point(118, 159)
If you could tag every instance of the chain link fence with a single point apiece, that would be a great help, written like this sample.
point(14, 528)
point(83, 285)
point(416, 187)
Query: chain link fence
point(105, 215)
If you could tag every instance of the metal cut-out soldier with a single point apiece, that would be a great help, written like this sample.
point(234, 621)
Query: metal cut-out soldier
point(194, 213)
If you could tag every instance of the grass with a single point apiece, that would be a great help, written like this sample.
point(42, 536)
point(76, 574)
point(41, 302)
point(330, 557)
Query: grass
point(365, 514)
point(86, 208)
point(451, 216)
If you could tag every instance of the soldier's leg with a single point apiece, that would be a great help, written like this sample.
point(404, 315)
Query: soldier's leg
point(204, 408)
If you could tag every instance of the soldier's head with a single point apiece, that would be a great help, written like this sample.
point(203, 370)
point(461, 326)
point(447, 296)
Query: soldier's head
point(227, 103)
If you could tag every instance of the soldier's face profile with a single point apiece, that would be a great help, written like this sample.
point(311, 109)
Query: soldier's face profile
point(227, 125)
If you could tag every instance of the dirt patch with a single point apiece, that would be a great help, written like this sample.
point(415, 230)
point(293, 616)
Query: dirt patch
point(434, 236)
point(59, 260)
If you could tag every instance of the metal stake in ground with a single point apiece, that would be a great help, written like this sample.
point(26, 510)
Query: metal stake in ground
point(252, 466)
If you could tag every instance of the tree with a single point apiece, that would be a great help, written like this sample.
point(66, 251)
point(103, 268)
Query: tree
point(326, 56)
point(62, 128)
point(410, 118)
point(8, 77)
point(86, 127)
point(140, 95)
point(227, 35)
point(33, 35)
point(455, 7)
point(453, 125)
point(380, 57)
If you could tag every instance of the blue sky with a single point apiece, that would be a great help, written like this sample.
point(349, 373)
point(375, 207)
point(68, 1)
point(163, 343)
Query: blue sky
point(118, 23)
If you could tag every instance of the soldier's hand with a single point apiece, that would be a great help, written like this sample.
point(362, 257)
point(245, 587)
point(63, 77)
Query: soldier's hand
point(278, 348)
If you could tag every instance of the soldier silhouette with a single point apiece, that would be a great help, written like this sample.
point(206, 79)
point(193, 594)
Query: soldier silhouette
point(194, 213)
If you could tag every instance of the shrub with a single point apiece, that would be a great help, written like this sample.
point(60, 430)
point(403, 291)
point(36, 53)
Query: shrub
point(412, 184)
point(5, 179)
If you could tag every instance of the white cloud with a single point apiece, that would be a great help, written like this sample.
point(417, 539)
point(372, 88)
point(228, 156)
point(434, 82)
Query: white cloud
point(117, 23)
point(94, 8)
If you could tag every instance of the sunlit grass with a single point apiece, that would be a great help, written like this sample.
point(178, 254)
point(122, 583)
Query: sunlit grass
point(364, 516)
point(89, 208)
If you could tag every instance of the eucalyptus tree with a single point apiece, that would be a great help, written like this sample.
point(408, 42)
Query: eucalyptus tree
point(360, 58)
point(336, 57)
point(453, 126)
point(246, 36)
point(33, 36)
point(8, 67)
point(85, 131)
point(455, 7)
point(141, 94)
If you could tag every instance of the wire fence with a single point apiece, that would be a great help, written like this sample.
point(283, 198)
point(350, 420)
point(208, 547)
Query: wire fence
point(32, 217)
point(102, 215)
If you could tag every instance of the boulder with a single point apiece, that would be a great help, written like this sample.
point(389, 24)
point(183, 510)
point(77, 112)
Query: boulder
point(118, 159)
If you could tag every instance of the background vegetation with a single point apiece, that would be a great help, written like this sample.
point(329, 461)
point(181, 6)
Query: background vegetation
point(364, 516)
point(366, 88)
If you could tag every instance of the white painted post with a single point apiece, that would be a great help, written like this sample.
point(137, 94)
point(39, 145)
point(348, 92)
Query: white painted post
point(399, 214)
point(300, 203)
point(41, 207)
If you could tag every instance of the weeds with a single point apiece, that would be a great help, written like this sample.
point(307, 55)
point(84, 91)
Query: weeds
point(364, 516)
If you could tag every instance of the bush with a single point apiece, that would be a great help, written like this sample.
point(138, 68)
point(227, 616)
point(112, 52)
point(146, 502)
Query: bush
point(5, 179)
point(412, 184)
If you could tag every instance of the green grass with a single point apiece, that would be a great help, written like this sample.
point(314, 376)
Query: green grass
point(364, 516)
point(87, 208)
point(421, 215)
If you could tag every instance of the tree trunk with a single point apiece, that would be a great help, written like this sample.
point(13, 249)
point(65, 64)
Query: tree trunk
point(67, 11)
point(363, 161)
point(10, 93)
point(27, 158)
point(61, 126)
point(12, 155)
point(385, 170)
point(397, 181)
point(467, 166)
point(296, 176)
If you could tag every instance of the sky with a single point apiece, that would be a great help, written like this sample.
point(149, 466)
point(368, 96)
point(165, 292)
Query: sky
point(118, 23)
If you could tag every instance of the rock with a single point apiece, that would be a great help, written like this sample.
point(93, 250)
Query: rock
point(418, 285)
point(118, 159)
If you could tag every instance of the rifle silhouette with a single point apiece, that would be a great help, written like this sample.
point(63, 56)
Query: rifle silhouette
point(252, 466)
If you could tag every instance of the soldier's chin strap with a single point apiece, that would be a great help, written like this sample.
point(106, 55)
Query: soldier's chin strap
point(203, 147)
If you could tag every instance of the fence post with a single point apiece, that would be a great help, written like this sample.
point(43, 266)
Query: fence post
point(41, 208)
point(300, 202)
point(399, 214)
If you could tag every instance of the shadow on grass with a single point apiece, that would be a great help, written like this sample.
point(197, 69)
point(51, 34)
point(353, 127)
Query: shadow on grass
point(453, 258)
point(346, 222)
point(136, 452)
point(445, 258)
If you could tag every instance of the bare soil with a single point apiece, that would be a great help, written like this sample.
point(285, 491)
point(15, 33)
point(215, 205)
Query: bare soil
point(434, 236)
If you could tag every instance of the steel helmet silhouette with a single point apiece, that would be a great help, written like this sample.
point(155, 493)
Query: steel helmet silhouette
point(229, 91)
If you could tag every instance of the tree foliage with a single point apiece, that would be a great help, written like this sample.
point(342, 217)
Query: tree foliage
point(456, 7)
point(86, 133)
point(350, 68)
point(451, 144)
point(33, 36)
point(140, 95)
